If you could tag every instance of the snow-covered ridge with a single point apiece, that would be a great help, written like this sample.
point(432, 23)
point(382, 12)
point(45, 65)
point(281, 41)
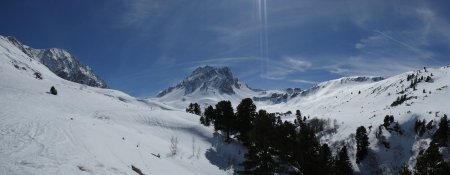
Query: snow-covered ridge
point(60, 62)
point(208, 85)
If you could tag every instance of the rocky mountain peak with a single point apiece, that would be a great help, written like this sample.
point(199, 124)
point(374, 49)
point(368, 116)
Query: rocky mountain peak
point(205, 79)
point(62, 63)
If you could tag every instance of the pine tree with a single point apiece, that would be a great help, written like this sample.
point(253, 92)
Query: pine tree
point(307, 152)
point(298, 116)
point(203, 120)
point(209, 115)
point(362, 144)
point(430, 162)
point(326, 161)
point(225, 118)
point(259, 159)
point(196, 109)
point(246, 112)
point(386, 121)
point(190, 108)
point(440, 137)
point(343, 164)
point(284, 141)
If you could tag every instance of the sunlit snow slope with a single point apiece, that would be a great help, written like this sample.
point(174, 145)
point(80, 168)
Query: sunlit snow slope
point(351, 102)
point(86, 130)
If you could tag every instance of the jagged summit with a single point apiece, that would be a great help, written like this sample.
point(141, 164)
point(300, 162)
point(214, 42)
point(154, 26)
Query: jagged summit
point(206, 79)
point(60, 62)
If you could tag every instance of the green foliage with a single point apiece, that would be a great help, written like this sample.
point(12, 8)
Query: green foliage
point(326, 161)
point(343, 165)
point(362, 144)
point(208, 116)
point(245, 114)
point(53, 90)
point(225, 119)
point(194, 108)
point(259, 159)
point(440, 137)
point(307, 152)
point(431, 162)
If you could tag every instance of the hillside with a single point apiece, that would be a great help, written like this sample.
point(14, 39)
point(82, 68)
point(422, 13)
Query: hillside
point(350, 102)
point(60, 62)
point(88, 130)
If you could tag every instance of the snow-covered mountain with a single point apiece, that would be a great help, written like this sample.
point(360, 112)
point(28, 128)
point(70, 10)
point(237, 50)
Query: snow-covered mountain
point(60, 62)
point(206, 85)
point(89, 130)
point(350, 102)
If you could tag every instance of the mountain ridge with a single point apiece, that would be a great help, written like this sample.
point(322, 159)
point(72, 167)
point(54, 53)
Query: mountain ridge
point(62, 63)
point(218, 82)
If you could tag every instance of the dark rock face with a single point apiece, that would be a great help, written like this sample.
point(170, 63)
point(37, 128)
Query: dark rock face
point(361, 79)
point(277, 98)
point(66, 66)
point(62, 63)
point(205, 79)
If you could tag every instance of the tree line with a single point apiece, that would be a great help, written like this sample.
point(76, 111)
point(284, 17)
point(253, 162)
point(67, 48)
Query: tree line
point(277, 147)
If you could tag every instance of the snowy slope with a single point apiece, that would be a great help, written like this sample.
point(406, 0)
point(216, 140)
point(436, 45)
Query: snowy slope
point(351, 102)
point(87, 130)
point(339, 101)
point(60, 62)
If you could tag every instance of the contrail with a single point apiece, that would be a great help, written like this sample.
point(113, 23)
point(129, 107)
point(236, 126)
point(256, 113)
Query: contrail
point(266, 35)
point(260, 36)
point(397, 41)
point(263, 34)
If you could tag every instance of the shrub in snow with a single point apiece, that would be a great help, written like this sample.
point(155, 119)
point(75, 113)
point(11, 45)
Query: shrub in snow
point(53, 91)
point(137, 170)
point(38, 75)
point(194, 108)
point(173, 146)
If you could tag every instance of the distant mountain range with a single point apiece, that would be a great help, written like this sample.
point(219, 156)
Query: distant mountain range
point(208, 85)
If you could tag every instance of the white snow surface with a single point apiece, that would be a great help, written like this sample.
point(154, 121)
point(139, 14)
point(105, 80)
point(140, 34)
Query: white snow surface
point(359, 101)
point(87, 130)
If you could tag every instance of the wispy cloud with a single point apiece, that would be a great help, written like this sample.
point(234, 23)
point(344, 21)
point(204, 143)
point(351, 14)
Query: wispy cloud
point(303, 81)
point(138, 12)
point(377, 37)
point(279, 69)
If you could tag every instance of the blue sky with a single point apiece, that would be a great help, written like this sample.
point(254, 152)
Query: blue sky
point(144, 46)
